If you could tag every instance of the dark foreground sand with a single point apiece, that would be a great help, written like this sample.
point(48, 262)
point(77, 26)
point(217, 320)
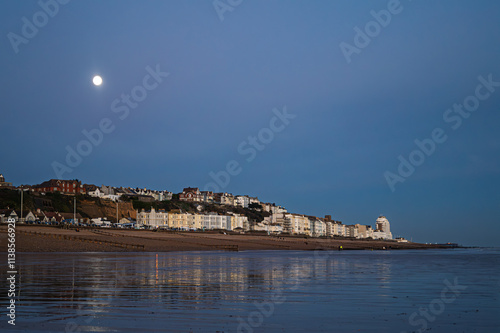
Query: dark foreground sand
point(55, 239)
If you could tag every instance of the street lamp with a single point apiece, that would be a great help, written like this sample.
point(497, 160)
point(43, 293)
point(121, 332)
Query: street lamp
point(22, 192)
point(74, 210)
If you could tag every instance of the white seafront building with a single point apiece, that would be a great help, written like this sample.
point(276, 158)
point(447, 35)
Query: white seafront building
point(188, 221)
point(383, 228)
point(351, 231)
point(297, 224)
point(288, 223)
point(153, 218)
point(317, 227)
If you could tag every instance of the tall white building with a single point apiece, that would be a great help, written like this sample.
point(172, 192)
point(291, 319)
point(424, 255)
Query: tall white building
point(318, 227)
point(383, 228)
point(339, 229)
point(351, 231)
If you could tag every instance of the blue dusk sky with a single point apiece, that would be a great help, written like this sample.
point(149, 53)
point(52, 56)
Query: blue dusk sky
point(347, 108)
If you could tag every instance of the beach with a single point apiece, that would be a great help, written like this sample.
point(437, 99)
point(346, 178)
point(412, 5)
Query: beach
point(257, 291)
point(54, 239)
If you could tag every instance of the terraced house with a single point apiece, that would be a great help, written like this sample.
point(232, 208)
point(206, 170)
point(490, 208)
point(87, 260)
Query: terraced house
point(153, 218)
point(186, 221)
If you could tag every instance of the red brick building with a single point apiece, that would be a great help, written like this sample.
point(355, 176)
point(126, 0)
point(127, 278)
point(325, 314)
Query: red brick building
point(58, 185)
point(191, 194)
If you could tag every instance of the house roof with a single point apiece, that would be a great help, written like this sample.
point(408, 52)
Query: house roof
point(207, 192)
point(56, 182)
point(6, 212)
point(48, 183)
point(25, 213)
point(51, 214)
point(70, 215)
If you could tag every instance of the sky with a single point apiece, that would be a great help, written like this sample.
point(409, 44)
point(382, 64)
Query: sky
point(343, 108)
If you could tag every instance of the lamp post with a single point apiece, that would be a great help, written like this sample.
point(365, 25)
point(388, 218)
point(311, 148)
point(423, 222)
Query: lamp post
point(22, 192)
point(74, 210)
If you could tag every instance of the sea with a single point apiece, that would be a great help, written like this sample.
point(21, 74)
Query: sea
point(447, 290)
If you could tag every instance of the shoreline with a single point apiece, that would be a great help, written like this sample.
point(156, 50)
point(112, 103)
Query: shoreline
point(55, 239)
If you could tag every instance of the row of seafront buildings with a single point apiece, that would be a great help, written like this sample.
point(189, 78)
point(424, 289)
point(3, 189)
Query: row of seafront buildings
point(280, 223)
point(177, 220)
point(280, 220)
point(297, 224)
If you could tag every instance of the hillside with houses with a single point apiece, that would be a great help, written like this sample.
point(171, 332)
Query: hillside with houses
point(71, 202)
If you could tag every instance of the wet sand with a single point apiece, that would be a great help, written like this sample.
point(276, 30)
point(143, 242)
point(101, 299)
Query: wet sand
point(55, 239)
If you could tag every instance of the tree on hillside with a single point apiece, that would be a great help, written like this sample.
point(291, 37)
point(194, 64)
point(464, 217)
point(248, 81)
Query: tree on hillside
point(255, 205)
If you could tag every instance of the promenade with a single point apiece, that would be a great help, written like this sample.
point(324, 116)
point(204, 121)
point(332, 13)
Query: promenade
point(54, 239)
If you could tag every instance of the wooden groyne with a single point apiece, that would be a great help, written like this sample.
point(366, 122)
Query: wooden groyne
point(82, 239)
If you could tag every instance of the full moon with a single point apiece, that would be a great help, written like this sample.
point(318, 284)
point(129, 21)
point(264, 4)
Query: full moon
point(97, 80)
